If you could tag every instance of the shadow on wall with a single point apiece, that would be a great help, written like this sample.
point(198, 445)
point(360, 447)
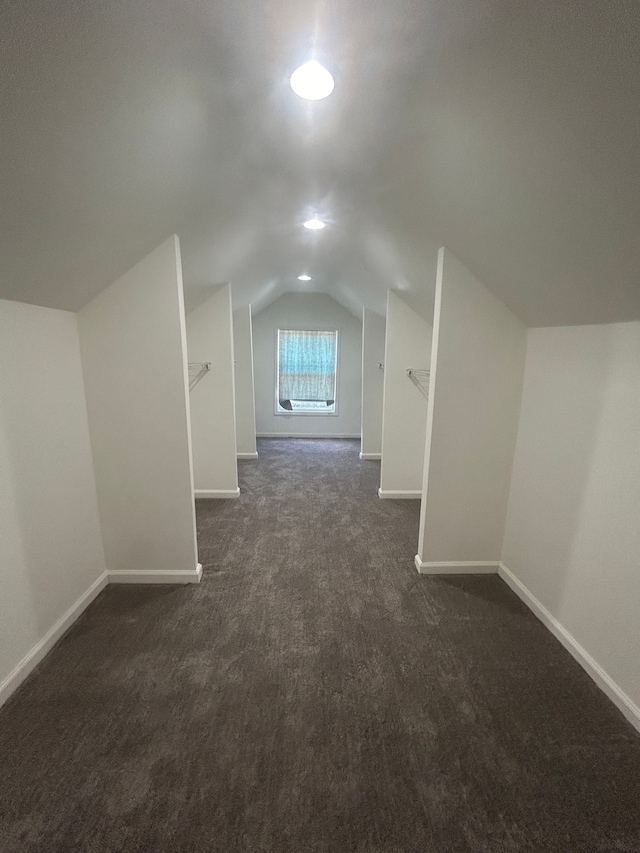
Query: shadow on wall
point(572, 536)
point(51, 542)
point(563, 399)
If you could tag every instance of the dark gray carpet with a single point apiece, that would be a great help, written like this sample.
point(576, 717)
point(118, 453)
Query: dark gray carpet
point(314, 694)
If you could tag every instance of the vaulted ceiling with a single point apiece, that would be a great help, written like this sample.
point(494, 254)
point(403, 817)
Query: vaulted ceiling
point(507, 130)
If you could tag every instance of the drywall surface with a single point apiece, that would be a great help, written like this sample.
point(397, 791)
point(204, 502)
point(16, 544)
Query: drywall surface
point(133, 344)
point(51, 551)
point(474, 405)
point(244, 386)
point(316, 312)
point(404, 419)
point(213, 418)
point(373, 334)
point(573, 531)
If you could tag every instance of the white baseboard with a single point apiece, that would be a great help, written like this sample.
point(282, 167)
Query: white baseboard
point(149, 576)
point(460, 567)
point(253, 455)
point(29, 662)
point(393, 494)
point(377, 456)
point(38, 652)
point(210, 494)
point(307, 435)
point(619, 698)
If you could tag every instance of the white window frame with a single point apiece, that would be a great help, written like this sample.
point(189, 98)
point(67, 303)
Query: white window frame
point(305, 413)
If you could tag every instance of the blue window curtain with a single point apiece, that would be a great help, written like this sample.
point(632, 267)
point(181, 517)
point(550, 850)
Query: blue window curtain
point(307, 366)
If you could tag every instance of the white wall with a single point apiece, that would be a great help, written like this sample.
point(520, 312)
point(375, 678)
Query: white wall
point(51, 554)
point(213, 416)
point(314, 311)
point(573, 529)
point(133, 344)
point(474, 405)
point(245, 398)
point(404, 419)
point(373, 335)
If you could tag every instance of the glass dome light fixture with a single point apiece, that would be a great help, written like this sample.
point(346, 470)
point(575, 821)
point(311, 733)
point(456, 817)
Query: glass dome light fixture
point(312, 81)
point(304, 278)
point(314, 224)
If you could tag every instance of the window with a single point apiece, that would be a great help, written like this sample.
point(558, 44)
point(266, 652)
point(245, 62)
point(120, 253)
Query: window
point(306, 372)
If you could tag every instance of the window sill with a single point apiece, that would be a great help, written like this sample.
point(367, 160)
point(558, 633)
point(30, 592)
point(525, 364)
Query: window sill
point(306, 414)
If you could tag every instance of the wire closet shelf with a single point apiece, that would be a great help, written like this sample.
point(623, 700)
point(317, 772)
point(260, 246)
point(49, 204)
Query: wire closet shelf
point(420, 378)
point(197, 369)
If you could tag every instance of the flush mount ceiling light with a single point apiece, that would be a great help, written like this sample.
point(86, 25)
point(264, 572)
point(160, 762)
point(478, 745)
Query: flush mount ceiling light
point(314, 224)
point(304, 278)
point(312, 81)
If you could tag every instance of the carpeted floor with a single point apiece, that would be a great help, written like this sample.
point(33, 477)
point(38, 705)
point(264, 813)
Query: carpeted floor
point(314, 695)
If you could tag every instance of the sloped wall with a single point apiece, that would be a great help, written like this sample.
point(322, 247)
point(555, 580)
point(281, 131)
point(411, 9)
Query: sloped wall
point(51, 556)
point(213, 416)
point(572, 538)
point(133, 345)
point(474, 405)
point(373, 335)
point(245, 394)
point(404, 420)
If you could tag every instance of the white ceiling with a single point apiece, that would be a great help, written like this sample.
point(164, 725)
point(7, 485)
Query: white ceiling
point(507, 130)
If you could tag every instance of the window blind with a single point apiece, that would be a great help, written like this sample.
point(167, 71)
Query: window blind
point(307, 366)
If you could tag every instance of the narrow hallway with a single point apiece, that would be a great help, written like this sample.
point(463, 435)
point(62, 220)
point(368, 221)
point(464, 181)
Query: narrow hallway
point(314, 694)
